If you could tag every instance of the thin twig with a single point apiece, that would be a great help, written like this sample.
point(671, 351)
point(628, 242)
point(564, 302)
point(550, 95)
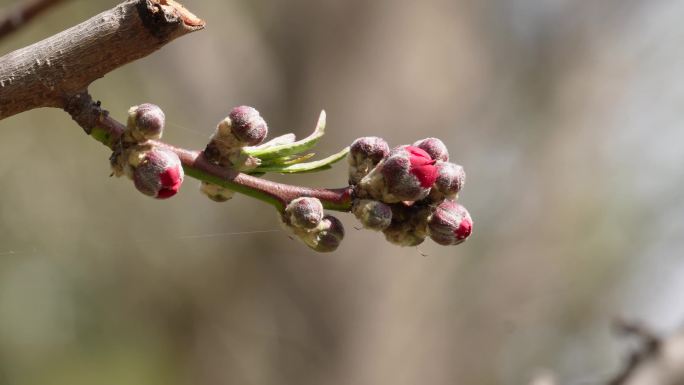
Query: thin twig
point(649, 346)
point(47, 73)
point(57, 71)
point(98, 123)
point(22, 14)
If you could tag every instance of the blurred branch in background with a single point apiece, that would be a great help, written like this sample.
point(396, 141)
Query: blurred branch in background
point(21, 14)
point(655, 361)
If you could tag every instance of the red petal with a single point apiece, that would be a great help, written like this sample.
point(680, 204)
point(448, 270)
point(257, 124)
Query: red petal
point(165, 193)
point(422, 166)
point(464, 229)
point(169, 177)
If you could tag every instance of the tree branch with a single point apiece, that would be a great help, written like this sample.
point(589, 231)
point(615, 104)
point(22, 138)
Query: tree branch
point(50, 72)
point(57, 71)
point(656, 361)
point(23, 14)
point(97, 122)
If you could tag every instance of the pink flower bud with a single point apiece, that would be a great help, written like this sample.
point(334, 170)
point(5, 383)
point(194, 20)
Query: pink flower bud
point(146, 121)
point(364, 154)
point(372, 214)
point(450, 181)
point(434, 147)
point(407, 174)
point(450, 224)
point(159, 174)
point(409, 225)
point(305, 212)
point(327, 236)
point(247, 125)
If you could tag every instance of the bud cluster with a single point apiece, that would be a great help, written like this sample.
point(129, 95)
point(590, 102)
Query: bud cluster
point(243, 127)
point(408, 192)
point(155, 171)
point(305, 218)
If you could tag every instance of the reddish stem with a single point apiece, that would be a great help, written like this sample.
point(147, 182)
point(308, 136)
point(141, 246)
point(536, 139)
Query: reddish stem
point(91, 116)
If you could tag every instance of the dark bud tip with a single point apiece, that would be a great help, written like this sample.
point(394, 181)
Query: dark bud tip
point(247, 125)
point(147, 121)
point(372, 148)
point(328, 235)
point(434, 147)
point(364, 154)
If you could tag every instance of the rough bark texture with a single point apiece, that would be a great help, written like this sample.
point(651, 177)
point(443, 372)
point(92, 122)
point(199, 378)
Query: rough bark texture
point(48, 73)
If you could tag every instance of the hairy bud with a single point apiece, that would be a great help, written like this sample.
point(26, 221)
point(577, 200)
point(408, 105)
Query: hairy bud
point(372, 214)
point(215, 192)
point(243, 127)
point(326, 237)
point(450, 180)
point(305, 212)
point(364, 154)
point(145, 122)
point(407, 174)
point(409, 225)
point(434, 147)
point(247, 125)
point(159, 173)
point(450, 224)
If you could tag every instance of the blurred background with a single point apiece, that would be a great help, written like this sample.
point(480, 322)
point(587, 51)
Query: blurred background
point(567, 116)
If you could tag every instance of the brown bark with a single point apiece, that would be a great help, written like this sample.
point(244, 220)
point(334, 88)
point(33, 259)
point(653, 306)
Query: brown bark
point(50, 72)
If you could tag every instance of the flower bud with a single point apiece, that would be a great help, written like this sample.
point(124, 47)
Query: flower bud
point(243, 127)
point(305, 212)
point(215, 192)
point(247, 125)
point(409, 225)
point(450, 224)
point(364, 154)
point(372, 214)
point(407, 174)
point(434, 147)
point(158, 174)
point(326, 237)
point(450, 180)
point(145, 121)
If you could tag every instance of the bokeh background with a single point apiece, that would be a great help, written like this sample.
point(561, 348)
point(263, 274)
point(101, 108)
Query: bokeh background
point(567, 115)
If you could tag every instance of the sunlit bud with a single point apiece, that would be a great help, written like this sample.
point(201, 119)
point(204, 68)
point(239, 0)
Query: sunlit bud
point(327, 236)
point(372, 214)
point(247, 125)
point(407, 174)
point(158, 174)
point(409, 225)
point(305, 212)
point(145, 121)
point(450, 224)
point(434, 147)
point(364, 154)
point(450, 180)
point(215, 192)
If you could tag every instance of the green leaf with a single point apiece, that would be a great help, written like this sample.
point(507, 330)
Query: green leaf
point(283, 150)
point(319, 165)
point(287, 160)
point(277, 141)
